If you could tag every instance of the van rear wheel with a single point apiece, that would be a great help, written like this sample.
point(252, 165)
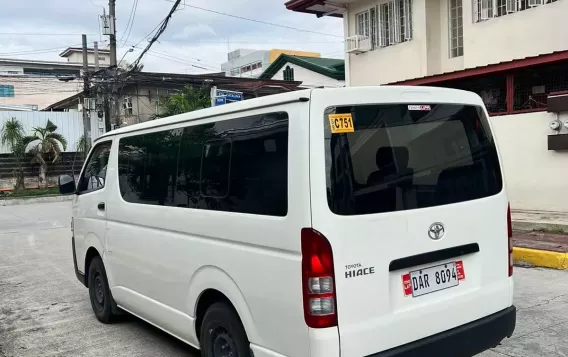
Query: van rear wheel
point(222, 333)
point(103, 304)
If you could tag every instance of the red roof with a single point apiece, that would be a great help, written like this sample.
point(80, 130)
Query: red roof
point(492, 68)
point(316, 7)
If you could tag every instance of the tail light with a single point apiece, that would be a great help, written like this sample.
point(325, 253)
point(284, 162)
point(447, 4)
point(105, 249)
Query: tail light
point(510, 238)
point(318, 280)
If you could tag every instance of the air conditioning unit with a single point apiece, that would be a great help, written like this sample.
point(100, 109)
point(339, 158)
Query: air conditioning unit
point(127, 103)
point(357, 44)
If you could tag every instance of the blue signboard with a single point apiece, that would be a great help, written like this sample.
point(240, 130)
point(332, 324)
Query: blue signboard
point(231, 96)
point(220, 100)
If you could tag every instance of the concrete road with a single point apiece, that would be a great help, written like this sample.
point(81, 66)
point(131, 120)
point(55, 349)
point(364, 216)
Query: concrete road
point(45, 311)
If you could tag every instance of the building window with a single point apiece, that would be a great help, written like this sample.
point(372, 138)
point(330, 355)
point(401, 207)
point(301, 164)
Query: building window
point(289, 74)
point(6, 91)
point(486, 9)
point(363, 23)
point(395, 22)
point(533, 85)
point(456, 28)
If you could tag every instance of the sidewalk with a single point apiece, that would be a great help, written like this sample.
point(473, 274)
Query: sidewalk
point(540, 238)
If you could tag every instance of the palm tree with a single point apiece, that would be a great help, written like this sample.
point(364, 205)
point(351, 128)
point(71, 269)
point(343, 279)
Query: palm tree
point(45, 144)
point(12, 135)
point(187, 100)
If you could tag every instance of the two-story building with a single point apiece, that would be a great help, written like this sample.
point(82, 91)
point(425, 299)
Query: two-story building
point(513, 53)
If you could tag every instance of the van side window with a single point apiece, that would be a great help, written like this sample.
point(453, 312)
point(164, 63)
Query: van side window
point(147, 167)
point(94, 175)
point(238, 165)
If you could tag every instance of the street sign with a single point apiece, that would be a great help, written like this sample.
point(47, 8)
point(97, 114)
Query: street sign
point(231, 96)
point(220, 100)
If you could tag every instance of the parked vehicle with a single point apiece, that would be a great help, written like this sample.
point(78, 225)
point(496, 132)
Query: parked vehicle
point(356, 222)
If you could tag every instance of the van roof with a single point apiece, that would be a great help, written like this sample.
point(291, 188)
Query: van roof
point(276, 99)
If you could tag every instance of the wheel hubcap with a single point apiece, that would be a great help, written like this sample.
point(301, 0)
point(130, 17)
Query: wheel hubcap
point(223, 344)
point(99, 290)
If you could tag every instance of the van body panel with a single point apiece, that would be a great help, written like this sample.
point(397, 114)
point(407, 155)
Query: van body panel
point(159, 253)
point(373, 312)
point(161, 256)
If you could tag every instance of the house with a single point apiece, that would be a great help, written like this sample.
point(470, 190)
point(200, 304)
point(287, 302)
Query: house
point(137, 98)
point(75, 55)
point(251, 63)
point(311, 71)
point(34, 84)
point(513, 53)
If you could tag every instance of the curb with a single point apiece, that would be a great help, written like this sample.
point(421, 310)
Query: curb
point(539, 226)
point(541, 258)
point(30, 200)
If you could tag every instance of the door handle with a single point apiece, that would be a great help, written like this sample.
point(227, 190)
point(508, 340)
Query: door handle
point(101, 206)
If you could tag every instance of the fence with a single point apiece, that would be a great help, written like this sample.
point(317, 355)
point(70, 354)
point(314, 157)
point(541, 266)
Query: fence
point(69, 124)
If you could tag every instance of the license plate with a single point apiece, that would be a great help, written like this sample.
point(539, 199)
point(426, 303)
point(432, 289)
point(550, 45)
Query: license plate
point(428, 280)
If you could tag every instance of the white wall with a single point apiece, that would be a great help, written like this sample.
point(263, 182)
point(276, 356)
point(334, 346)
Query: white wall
point(39, 90)
point(537, 179)
point(70, 125)
point(389, 64)
point(309, 79)
point(518, 35)
point(77, 57)
point(522, 34)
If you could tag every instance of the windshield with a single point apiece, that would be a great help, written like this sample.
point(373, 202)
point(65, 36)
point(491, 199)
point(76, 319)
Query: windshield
point(383, 158)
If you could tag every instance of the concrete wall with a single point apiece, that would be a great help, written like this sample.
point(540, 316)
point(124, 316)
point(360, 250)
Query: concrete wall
point(389, 64)
point(77, 57)
point(522, 34)
point(38, 90)
point(536, 177)
point(309, 79)
point(69, 124)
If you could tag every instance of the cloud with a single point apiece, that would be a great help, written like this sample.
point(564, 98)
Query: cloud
point(193, 31)
point(193, 38)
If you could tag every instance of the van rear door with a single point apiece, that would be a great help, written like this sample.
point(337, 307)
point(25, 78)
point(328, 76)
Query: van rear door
point(406, 186)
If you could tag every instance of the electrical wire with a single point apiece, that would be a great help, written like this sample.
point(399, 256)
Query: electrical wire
point(259, 21)
point(130, 23)
point(43, 34)
point(159, 32)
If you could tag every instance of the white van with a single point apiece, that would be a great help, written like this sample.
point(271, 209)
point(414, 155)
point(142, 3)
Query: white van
point(328, 222)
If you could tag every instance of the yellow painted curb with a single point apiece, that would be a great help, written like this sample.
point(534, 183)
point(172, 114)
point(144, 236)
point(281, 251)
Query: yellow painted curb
point(541, 258)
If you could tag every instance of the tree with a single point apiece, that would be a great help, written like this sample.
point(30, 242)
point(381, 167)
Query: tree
point(187, 100)
point(45, 144)
point(12, 135)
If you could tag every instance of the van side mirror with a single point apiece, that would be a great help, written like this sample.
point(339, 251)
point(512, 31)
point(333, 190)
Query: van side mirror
point(66, 184)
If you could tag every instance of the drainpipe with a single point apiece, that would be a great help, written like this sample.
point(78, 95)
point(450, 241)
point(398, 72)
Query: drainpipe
point(346, 55)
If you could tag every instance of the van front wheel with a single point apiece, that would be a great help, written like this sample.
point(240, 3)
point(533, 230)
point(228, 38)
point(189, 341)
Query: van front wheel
point(222, 333)
point(102, 302)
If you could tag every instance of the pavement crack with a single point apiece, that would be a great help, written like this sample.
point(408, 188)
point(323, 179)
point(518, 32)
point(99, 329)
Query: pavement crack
point(542, 303)
point(501, 353)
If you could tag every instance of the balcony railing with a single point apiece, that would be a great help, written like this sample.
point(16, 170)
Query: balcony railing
point(357, 44)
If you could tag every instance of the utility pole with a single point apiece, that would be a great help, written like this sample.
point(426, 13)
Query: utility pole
point(96, 49)
point(86, 117)
point(111, 12)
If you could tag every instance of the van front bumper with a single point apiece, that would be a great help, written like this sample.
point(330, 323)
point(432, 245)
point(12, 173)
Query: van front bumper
point(463, 341)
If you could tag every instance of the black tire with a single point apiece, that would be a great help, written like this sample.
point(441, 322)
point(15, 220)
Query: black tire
point(222, 333)
point(103, 304)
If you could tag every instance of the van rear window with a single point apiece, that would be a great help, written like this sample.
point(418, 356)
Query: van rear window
point(400, 157)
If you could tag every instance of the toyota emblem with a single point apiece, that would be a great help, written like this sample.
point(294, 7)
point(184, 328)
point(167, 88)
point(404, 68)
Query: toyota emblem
point(436, 231)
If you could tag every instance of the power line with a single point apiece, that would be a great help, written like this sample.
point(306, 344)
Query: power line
point(259, 21)
point(130, 23)
point(42, 34)
point(161, 29)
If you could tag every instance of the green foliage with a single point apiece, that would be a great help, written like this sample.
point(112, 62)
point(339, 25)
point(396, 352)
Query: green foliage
point(187, 100)
point(45, 142)
point(82, 144)
point(12, 135)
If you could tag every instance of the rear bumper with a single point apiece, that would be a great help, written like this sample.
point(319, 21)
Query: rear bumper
point(463, 341)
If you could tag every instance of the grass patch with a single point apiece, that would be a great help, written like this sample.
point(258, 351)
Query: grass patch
point(30, 193)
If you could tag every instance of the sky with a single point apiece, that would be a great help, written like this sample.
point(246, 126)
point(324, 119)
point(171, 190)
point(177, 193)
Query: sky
point(194, 38)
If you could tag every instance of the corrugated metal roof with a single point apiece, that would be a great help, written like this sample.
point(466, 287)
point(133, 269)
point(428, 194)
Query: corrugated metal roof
point(491, 68)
